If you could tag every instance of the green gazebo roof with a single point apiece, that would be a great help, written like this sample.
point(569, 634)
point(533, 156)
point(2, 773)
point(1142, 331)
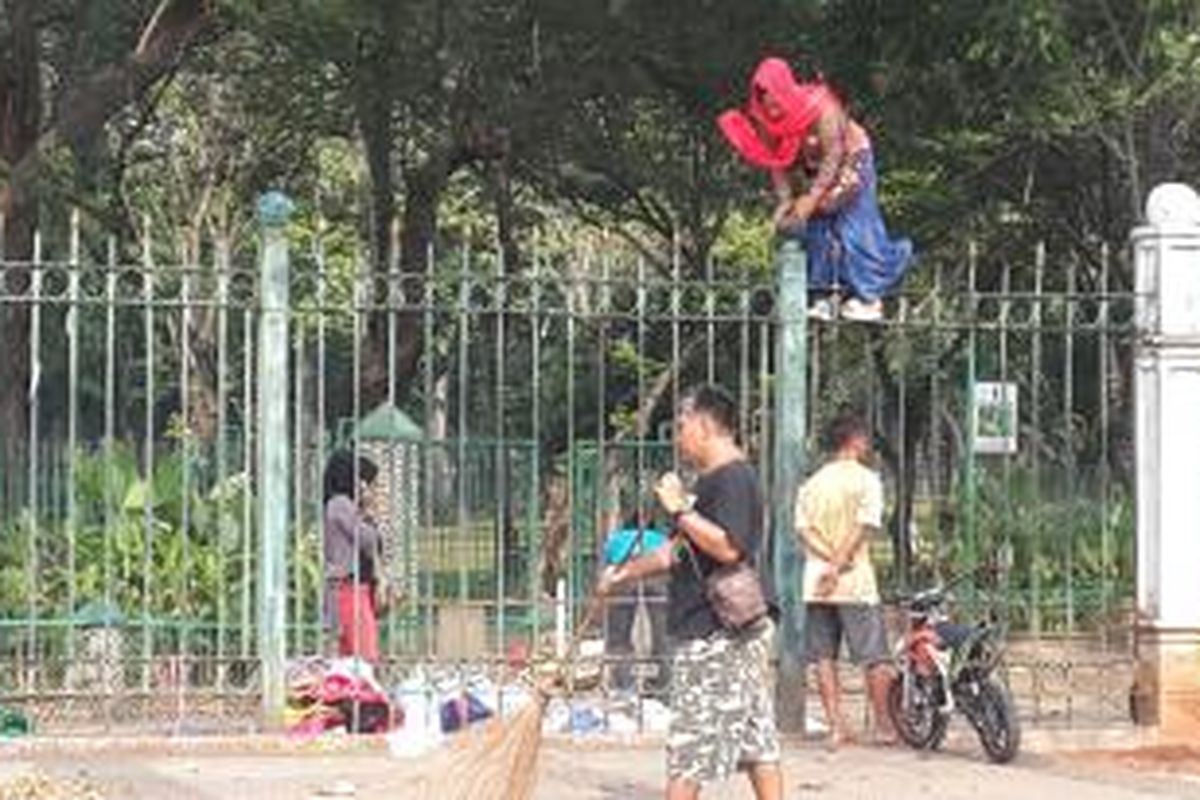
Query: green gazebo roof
point(388, 423)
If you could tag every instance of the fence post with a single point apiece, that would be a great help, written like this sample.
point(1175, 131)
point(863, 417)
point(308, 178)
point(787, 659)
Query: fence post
point(791, 370)
point(1167, 385)
point(273, 211)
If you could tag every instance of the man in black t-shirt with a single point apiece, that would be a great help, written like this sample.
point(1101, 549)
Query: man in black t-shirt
point(722, 713)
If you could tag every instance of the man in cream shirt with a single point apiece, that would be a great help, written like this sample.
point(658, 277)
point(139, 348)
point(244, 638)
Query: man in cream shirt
point(838, 510)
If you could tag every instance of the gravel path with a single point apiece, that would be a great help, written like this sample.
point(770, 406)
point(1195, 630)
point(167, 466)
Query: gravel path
point(606, 772)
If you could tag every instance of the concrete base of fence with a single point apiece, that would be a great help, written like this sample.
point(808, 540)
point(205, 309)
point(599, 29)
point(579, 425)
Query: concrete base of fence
point(1166, 691)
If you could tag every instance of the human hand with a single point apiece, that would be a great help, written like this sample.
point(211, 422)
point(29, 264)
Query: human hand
point(383, 593)
point(803, 208)
point(828, 581)
point(610, 579)
point(786, 223)
point(783, 210)
point(671, 494)
point(370, 501)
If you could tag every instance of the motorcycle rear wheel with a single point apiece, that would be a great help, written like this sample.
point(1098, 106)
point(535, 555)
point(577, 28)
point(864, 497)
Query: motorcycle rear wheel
point(922, 725)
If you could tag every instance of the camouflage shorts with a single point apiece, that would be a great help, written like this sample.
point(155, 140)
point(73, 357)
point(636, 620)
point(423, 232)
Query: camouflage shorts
point(722, 705)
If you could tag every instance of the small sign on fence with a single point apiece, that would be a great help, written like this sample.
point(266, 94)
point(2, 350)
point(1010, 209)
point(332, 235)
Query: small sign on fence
point(994, 423)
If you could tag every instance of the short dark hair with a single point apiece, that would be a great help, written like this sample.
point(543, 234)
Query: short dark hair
point(339, 474)
point(844, 427)
point(714, 402)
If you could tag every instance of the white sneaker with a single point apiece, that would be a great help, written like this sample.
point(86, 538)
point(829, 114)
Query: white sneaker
point(822, 310)
point(858, 311)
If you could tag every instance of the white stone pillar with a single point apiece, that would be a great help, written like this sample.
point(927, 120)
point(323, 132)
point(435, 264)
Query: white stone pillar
point(1167, 263)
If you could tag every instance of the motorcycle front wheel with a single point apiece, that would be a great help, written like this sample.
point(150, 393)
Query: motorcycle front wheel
point(995, 720)
point(922, 724)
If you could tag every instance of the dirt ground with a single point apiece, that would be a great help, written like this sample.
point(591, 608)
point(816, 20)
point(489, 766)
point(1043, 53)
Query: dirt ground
point(573, 770)
point(1182, 760)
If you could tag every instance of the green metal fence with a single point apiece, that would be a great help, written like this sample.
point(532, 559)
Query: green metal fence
point(540, 395)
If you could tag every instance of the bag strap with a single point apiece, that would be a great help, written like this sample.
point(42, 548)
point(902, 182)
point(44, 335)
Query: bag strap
point(687, 545)
point(745, 559)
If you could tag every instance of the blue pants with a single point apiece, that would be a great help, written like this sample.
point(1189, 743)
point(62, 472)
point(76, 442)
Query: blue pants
point(850, 249)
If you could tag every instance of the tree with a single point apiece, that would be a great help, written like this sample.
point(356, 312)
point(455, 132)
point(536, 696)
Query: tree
point(96, 80)
point(635, 89)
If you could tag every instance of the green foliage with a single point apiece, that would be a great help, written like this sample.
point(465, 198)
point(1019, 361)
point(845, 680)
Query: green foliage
point(1068, 542)
point(1000, 123)
point(169, 548)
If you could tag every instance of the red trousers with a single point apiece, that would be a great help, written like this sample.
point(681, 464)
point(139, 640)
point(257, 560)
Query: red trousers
point(358, 626)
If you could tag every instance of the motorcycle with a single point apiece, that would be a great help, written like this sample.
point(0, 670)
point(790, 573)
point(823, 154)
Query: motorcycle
point(945, 667)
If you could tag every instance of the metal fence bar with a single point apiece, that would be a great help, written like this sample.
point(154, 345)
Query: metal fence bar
point(249, 437)
point(745, 381)
point(1036, 430)
point(184, 433)
point(1035, 471)
point(1006, 464)
point(110, 440)
point(501, 453)
point(535, 416)
point(322, 427)
point(1068, 423)
point(970, 543)
point(1106, 553)
point(390, 555)
point(939, 490)
point(72, 520)
point(566, 606)
point(34, 563)
point(767, 403)
point(362, 301)
point(221, 265)
point(149, 495)
point(710, 326)
point(464, 327)
point(299, 620)
point(432, 464)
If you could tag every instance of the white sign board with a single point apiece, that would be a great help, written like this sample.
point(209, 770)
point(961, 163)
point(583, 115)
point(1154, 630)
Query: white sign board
point(995, 417)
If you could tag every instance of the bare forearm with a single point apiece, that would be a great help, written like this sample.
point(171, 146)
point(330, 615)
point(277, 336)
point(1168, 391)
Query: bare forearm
point(781, 185)
point(845, 554)
point(653, 563)
point(832, 131)
point(815, 545)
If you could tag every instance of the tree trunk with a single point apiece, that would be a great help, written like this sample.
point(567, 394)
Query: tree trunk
point(20, 121)
point(499, 180)
point(423, 186)
point(378, 133)
point(202, 349)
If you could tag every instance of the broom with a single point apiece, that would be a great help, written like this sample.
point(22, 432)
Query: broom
point(502, 763)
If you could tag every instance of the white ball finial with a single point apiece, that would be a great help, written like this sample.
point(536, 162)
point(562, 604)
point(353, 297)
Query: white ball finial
point(1173, 204)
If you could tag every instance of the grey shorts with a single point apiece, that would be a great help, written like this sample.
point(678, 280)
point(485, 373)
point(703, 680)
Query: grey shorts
point(860, 625)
